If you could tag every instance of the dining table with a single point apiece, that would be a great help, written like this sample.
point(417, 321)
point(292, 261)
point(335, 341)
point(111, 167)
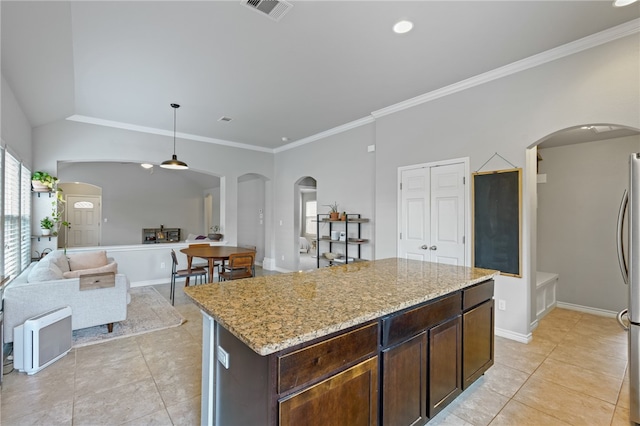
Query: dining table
point(211, 254)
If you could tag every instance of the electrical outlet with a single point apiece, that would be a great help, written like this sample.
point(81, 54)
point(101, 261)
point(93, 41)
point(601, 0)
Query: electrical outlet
point(162, 265)
point(223, 357)
point(502, 305)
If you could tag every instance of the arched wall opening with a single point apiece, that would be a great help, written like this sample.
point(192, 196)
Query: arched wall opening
point(577, 177)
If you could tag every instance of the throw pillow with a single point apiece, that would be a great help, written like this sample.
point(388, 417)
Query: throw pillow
point(60, 259)
point(45, 270)
point(111, 267)
point(87, 260)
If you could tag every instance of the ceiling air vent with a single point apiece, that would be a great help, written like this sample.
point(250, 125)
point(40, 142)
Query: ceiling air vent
point(274, 9)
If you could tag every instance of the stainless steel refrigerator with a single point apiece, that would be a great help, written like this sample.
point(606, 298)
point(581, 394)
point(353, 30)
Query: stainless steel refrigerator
point(628, 236)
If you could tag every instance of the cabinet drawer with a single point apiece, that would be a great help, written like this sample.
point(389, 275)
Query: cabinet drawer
point(477, 294)
point(314, 362)
point(406, 324)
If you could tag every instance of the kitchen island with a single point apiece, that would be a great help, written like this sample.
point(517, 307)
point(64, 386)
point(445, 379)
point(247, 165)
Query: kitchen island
point(389, 341)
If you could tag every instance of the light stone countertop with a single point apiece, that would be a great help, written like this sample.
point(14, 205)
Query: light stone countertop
point(275, 312)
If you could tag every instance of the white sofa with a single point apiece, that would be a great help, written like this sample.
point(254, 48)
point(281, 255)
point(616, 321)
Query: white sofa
point(54, 282)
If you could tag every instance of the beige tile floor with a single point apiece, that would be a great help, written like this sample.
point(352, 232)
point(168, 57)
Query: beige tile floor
point(572, 373)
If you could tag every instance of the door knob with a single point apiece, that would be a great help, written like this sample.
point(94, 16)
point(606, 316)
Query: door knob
point(433, 248)
point(424, 247)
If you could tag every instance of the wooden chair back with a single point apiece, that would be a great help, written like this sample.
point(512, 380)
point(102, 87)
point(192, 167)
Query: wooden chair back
point(241, 265)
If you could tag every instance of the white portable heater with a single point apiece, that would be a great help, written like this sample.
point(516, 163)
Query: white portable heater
point(42, 340)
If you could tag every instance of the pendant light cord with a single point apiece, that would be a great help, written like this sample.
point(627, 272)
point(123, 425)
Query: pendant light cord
point(174, 128)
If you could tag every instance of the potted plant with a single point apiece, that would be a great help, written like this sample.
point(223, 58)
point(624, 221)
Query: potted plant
point(215, 233)
point(47, 225)
point(334, 213)
point(343, 217)
point(43, 181)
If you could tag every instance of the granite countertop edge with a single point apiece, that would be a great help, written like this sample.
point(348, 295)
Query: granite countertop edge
point(277, 345)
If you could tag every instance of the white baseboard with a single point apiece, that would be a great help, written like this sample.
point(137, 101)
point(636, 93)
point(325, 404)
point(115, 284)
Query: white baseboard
point(587, 309)
point(150, 282)
point(518, 337)
point(269, 264)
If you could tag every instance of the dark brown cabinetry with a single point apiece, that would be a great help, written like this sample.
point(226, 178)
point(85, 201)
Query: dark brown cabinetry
point(348, 393)
point(430, 353)
point(350, 396)
point(422, 374)
point(444, 365)
point(400, 369)
point(404, 385)
point(477, 335)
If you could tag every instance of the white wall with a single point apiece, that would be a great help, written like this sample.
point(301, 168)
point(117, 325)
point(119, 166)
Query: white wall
point(577, 215)
point(506, 116)
point(251, 201)
point(134, 198)
point(66, 141)
point(15, 128)
point(344, 173)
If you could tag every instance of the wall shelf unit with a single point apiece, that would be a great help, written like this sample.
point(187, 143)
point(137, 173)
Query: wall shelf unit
point(160, 235)
point(353, 222)
point(43, 204)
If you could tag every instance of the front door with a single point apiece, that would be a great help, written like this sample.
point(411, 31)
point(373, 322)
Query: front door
point(84, 216)
point(432, 213)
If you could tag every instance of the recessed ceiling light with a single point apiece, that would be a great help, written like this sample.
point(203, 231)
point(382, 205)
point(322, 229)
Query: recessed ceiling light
point(285, 139)
point(223, 118)
point(402, 27)
point(146, 165)
point(621, 3)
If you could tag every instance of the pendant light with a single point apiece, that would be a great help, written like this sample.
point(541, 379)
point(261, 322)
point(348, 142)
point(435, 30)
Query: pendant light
point(174, 163)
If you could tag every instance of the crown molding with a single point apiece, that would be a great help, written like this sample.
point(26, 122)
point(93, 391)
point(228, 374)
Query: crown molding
point(326, 133)
point(154, 131)
point(594, 40)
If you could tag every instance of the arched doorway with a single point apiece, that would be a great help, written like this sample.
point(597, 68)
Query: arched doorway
point(580, 176)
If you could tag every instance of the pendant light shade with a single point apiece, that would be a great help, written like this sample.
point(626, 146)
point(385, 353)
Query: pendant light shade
point(174, 163)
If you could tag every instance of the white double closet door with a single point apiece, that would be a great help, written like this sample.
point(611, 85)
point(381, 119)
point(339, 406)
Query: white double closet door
point(432, 213)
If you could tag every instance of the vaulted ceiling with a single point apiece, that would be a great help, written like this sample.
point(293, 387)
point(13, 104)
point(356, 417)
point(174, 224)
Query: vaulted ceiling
point(322, 65)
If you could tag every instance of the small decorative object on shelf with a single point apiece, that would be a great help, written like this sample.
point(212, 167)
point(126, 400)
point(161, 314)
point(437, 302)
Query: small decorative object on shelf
point(333, 211)
point(215, 233)
point(344, 216)
point(47, 225)
point(43, 182)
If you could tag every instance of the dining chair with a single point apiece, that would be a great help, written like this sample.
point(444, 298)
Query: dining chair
point(240, 265)
point(184, 273)
point(204, 265)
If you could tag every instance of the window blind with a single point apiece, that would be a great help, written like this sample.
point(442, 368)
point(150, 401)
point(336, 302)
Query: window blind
point(11, 215)
point(25, 217)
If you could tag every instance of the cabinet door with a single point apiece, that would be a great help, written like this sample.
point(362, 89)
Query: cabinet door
point(347, 398)
point(445, 378)
point(477, 341)
point(404, 382)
